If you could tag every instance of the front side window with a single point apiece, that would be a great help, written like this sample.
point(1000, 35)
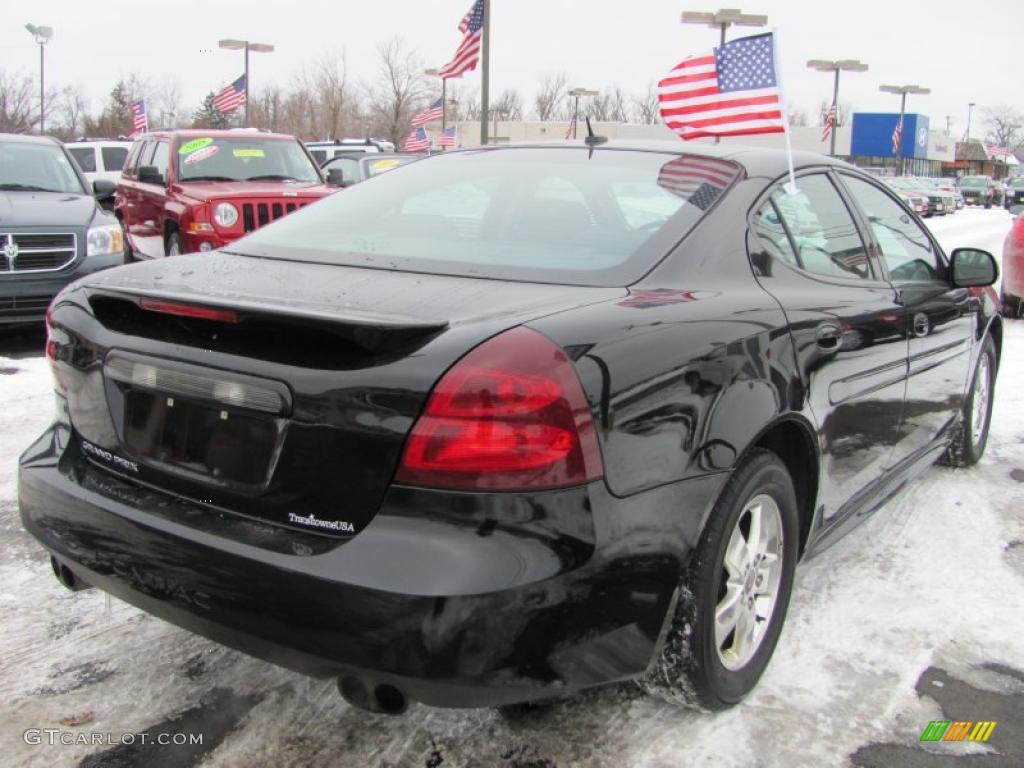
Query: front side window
point(37, 167)
point(906, 248)
point(824, 234)
point(545, 214)
point(85, 157)
point(246, 158)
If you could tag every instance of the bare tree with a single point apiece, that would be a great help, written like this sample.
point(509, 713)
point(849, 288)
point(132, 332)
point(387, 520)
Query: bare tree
point(549, 98)
point(398, 89)
point(334, 101)
point(798, 117)
point(646, 108)
point(116, 118)
point(166, 105)
point(843, 113)
point(1005, 126)
point(509, 104)
point(469, 107)
point(266, 107)
point(72, 110)
point(18, 106)
point(609, 105)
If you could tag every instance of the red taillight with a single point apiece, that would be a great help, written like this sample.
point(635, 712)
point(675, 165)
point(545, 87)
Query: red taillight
point(510, 415)
point(189, 310)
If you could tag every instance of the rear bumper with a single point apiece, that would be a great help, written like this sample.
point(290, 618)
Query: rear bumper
point(459, 600)
point(25, 298)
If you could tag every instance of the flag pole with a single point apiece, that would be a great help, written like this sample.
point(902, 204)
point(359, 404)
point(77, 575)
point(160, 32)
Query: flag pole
point(776, 55)
point(485, 51)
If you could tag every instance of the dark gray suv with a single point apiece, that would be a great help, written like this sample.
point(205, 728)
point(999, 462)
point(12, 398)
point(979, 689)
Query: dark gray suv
point(52, 228)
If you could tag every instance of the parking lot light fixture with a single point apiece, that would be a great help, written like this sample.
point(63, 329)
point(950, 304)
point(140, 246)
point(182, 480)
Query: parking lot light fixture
point(903, 90)
point(970, 108)
point(42, 36)
point(245, 45)
point(578, 93)
point(841, 65)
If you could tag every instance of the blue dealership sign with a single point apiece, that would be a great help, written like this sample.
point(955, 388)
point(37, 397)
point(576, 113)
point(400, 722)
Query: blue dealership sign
point(872, 135)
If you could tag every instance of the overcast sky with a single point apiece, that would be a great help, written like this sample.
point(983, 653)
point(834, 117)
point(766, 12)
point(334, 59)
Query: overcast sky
point(963, 51)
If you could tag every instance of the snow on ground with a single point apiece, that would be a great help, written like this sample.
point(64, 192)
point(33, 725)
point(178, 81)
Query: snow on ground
point(933, 579)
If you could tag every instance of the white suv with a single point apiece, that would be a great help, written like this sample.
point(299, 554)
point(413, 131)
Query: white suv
point(100, 158)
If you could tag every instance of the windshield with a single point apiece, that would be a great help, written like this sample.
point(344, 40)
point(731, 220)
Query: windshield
point(975, 181)
point(561, 215)
point(37, 167)
point(247, 158)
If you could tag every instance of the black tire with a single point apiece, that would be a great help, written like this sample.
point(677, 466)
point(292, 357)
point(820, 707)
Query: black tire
point(690, 670)
point(172, 245)
point(968, 444)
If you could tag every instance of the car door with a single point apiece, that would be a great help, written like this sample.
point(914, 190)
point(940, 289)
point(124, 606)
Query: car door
point(846, 327)
point(126, 200)
point(152, 197)
point(938, 319)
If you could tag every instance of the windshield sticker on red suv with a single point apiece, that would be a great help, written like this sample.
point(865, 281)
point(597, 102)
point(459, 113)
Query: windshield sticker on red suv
point(201, 154)
point(191, 146)
point(248, 153)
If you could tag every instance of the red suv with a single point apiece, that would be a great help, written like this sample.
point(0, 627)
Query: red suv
point(197, 190)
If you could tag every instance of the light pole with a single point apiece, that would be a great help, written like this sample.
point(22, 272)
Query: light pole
point(42, 36)
point(903, 90)
point(239, 45)
point(824, 65)
point(970, 108)
point(724, 18)
point(576, 93)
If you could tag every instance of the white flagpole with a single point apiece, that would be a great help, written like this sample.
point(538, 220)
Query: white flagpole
point(791, 187)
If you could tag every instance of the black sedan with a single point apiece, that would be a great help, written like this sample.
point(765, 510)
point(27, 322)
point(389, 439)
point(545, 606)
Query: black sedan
point(513, 422)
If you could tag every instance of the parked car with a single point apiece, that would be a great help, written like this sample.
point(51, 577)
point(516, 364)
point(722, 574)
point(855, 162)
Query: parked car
point(944, 188)
point(513, 421)
point(981, 190)
point(52, 229)
point(910, 185)
point(100, 158)
point(344, 170)
point(1012, 289)
point(198, 190)
point(916, 200)
point(949, 185)
point(1014, 192)
point(322, 151)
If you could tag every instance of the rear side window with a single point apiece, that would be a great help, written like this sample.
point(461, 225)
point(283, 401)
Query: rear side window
point(132, 163)
point(561, 215)
point(161, 154)
point(113, 158)
point(85, 157)
point(824, 235)
point(769, 229)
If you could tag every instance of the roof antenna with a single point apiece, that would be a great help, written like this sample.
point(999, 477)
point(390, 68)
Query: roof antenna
point(593, 140)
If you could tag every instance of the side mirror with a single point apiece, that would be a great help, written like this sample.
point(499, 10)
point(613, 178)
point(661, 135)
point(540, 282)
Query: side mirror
point(972, 268)
point(103, 189)
point(336, 178)
point(148, 174)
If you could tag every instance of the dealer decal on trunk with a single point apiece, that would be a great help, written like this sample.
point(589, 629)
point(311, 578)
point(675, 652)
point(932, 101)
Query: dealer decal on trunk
point(313, 522)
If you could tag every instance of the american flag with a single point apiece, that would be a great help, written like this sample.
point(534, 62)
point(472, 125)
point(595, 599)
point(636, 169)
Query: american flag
point(732, 91)
point(434, 112)
point(448, 137)
point(468, 52)
point(231, 97)
point(140, 123)
point(417, 141)
point(698, 180)
point(830, 120)
point(897, 135)
point(570, 132)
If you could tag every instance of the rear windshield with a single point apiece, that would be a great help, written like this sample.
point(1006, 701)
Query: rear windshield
point(247, 158)
point(561, 215)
